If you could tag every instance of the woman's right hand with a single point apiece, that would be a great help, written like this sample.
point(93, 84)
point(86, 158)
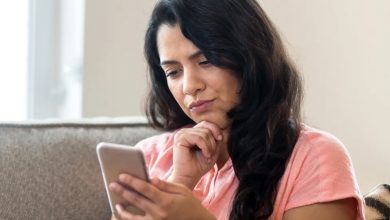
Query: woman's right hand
point(195, 152)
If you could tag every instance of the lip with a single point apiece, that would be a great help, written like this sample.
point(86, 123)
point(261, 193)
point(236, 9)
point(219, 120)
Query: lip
point(200, 106)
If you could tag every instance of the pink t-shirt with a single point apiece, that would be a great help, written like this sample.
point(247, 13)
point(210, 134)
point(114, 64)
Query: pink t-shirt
point(319, 170)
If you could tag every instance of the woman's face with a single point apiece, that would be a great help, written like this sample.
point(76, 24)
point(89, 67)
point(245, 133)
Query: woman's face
point(203, 91)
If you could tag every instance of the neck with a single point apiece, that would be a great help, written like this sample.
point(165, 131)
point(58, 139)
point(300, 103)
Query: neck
point(223, 157)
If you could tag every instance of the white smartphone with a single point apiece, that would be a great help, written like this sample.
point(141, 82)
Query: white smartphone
point(115, 159)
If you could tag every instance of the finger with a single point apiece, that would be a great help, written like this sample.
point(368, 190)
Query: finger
point(196, 138)
point(125, 215)
point(215, 130)
point(136, 199)
point(169, 187)
point(210, 142)
point(203, 133)
point(144, 188)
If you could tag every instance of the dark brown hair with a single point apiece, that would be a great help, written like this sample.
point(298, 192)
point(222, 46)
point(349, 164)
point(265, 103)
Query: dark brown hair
point(236, 34)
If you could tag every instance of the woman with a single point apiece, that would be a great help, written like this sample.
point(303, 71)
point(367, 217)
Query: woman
point(229, 97)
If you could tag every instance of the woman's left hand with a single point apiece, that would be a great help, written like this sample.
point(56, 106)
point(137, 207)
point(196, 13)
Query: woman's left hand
point(158, 199)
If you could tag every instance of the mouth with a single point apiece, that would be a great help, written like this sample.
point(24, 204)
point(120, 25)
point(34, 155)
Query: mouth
point(200, 106)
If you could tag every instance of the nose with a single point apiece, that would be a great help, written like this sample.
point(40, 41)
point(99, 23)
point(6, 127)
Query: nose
point(192, 81)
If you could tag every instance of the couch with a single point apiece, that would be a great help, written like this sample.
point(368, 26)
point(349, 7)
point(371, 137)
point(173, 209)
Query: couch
point(49, 168)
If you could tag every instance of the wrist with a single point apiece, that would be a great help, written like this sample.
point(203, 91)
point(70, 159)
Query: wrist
point(187, 181)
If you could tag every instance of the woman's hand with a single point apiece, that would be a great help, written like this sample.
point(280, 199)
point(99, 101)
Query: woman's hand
point(195, 152)
point(159, 200)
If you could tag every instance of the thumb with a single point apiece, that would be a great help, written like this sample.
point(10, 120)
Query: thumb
point(168, 187)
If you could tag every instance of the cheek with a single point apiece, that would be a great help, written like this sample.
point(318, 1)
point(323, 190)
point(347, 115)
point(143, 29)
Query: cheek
point(235, 97)
point(176, 92)
point(231, 98)
point(230, 89)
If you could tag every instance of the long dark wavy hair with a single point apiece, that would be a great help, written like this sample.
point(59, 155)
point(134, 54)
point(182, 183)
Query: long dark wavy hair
point(237, 35)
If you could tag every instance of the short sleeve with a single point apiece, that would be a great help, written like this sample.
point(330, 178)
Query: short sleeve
point(323, 172)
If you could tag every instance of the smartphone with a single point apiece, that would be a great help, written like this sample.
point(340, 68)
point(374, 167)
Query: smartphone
point(115, 159)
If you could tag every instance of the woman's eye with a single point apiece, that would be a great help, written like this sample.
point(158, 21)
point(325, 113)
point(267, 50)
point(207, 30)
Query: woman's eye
point(206, 62)
point(171, 73)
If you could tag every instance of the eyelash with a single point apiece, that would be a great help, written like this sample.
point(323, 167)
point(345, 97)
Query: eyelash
point(170, 73)
point(206, 62)
point(174, 72)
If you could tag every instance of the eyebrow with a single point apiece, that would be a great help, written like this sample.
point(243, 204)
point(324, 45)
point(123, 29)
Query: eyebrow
point(191, 57)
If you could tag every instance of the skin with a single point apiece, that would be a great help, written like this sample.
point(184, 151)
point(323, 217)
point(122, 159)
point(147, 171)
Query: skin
point(335, 210)
point(196, 150)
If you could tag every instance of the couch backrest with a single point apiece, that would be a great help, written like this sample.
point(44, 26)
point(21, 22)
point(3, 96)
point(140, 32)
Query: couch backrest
point(49, 169)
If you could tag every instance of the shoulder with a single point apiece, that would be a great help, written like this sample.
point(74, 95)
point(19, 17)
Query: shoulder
point(320, 147)
point(320, 170)
point(320, 156)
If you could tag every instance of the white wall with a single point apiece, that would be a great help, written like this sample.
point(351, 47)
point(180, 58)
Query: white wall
point(115, 70)
point(341, 47)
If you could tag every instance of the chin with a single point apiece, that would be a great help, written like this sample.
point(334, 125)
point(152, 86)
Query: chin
point(222, 122)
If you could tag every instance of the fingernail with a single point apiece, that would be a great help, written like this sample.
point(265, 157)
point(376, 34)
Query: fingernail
point(123, 177)
point(118, 207)
point(112, 186)
point(219, 137)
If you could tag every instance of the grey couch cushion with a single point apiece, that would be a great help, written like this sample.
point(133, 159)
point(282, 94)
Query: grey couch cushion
point(49, 170)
